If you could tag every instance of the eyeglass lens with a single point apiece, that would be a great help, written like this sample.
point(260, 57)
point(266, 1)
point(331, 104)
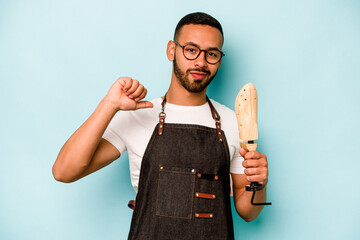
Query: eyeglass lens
point(191, 52)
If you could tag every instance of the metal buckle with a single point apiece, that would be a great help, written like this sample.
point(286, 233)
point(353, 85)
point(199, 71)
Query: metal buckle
point(162, 114)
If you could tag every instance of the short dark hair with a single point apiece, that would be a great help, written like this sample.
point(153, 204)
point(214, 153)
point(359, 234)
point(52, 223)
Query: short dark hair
point(198, 18)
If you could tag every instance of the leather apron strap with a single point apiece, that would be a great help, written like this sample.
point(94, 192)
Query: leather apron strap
point(214, 113)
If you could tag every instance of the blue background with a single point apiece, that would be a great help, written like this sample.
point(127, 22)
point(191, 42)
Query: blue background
point(59, 58)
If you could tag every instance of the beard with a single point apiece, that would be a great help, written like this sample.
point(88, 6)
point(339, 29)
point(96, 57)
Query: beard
point(196, 86)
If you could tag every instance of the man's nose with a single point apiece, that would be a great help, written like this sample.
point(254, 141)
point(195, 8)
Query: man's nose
point(201, 60)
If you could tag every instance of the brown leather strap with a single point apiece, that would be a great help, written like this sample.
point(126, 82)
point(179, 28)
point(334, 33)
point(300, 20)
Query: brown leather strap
point(162, 116)
point(204, 215)
point(131, 204)
point(205, 195)
point(216, 117)
point(214, 114)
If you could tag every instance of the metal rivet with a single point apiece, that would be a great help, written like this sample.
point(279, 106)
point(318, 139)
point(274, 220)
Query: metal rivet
point(219, 133)
point(161, 168)
point(216, 177)
point(196, 215)
point(211, 215)
point(161, 120)
point(213, 196)
point(197, 194)
point(193, 170)
point(161, 126)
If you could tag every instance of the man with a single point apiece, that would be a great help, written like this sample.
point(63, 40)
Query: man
point(181, 147)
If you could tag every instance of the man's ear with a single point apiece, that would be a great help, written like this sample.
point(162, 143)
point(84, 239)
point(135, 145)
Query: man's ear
point(170, 50)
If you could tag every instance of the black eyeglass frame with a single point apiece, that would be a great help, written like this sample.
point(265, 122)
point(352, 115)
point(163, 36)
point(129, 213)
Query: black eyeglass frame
point(200, 50)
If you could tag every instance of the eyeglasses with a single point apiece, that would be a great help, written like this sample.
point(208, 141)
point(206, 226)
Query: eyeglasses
point(192, 52)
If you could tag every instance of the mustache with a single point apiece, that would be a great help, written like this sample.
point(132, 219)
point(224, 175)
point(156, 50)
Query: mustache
point(204, 70)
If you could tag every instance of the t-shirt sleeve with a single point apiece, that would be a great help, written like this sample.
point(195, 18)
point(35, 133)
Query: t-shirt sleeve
point(113, 133)
point(236, 166)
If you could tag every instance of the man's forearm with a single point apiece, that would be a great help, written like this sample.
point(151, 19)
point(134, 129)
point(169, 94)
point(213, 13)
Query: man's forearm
point(243, 205)
point(76, 154)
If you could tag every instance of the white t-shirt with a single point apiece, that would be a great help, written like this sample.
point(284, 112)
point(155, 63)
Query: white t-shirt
point(132, 130)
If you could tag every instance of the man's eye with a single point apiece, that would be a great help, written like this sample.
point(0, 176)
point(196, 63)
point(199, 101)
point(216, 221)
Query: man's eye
point(212, 54)
point(191, 49)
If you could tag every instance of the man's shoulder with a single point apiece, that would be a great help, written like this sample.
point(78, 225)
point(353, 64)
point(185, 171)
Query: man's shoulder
point(223, 109)
point(228, 122)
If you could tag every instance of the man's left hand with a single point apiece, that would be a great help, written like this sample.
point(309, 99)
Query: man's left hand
point(256, 167)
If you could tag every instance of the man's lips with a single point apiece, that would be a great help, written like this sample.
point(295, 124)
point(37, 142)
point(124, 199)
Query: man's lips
point(198, 75)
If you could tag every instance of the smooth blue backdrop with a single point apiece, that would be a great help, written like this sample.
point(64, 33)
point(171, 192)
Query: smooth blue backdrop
point(59, 58)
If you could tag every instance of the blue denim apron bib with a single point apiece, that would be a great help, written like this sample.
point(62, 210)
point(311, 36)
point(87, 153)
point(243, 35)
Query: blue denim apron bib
point(184, 185)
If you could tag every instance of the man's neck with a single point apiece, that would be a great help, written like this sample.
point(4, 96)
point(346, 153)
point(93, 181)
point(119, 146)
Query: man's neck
point(178, 95)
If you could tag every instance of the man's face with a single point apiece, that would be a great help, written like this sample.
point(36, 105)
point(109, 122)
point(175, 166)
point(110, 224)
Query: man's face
point(195, 75)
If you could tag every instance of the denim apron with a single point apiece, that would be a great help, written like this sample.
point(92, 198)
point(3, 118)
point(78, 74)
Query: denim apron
point(184, 185)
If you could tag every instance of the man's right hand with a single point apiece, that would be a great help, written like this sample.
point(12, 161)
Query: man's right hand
point(126, 94)
point(86, 151)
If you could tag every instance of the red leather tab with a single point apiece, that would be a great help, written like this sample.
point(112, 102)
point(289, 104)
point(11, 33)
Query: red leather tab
point(204, 215)
point(131, 204)
point(205, 195)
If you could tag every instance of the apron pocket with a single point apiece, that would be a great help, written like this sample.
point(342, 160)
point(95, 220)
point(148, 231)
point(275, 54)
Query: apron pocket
point(175, 193)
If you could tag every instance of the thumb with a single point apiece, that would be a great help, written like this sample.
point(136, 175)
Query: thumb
point(144, 104)
point(242, 152)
